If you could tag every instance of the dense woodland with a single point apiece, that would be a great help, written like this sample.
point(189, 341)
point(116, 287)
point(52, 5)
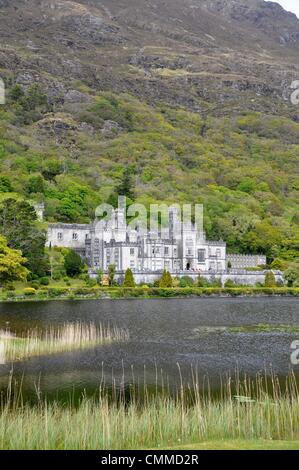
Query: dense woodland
point(244, 169)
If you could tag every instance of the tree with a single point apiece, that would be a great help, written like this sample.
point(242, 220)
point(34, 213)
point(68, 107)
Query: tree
point(111, 271)
point(270, 280)
point(166, 280)
point(16, 93)
point(73, 263)
point(18, 223)
point(278, 264)
point(5, 185)
point(35, 184)
point(11, 264)
point(100, 275)
point(292, 275)
point(125, 187)
point(129, 279)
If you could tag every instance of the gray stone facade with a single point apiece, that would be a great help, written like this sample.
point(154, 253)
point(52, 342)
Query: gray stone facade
point(102, 244)
point(246, 261)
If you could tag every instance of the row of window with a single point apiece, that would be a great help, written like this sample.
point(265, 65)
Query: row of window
point(157, 250)
point(75, 236)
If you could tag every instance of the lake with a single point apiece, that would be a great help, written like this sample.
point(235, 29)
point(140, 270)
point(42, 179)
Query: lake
point(170, 340)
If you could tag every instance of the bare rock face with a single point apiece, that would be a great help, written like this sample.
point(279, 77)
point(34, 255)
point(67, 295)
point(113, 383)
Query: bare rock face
point(199, 54)
point(111, 129)
point(75, 96)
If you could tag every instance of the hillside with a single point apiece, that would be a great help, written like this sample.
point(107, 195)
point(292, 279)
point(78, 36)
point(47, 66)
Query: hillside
point(193, 97)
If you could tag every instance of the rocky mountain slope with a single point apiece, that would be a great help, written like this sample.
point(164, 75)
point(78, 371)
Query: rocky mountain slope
point(191, 96)
point(212, 55)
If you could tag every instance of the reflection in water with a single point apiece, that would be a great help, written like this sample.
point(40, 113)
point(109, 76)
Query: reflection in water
point(173, 343)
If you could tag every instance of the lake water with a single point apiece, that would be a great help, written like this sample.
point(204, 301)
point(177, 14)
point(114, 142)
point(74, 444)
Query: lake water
point(168, 338)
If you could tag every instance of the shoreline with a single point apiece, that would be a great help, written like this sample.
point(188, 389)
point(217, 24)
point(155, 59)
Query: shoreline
point(119, 293)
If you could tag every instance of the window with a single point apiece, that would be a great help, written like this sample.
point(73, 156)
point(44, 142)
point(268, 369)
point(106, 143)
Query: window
point(166, 251)
point(60, 236)
point(189, 251)
point(218, 253)
point(167, 265)
point(75, 236)
point(132, 251)
point(201, 256)
point(132, 264)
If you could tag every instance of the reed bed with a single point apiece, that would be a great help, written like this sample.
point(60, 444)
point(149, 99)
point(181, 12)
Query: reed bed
point(159, 422)
point(69, 337)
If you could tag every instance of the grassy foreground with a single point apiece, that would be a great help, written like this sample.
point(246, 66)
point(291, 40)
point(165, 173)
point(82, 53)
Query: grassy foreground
point(159, 423)
point(236, 444)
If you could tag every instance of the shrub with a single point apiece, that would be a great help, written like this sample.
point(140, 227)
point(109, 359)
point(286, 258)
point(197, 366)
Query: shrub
point(214, 282)
point(9, 287)
point(186, 281)
point(11, 295)
point(84, 291)
point(91, 282)
point(44, 281)
point(35, 285)
point(29, 291)
point(100, 275)
point(230, 284)
point(202, 282)
point(56, 292)
point(57, 276)
point(270, 279)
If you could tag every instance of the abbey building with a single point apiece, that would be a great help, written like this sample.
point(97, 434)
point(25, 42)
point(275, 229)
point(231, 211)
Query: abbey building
point(184, 249)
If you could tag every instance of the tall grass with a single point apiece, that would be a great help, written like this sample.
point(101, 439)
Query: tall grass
point(69, 337)
point(158, 422)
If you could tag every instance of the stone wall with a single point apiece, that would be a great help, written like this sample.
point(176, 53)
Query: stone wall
point(240, 277)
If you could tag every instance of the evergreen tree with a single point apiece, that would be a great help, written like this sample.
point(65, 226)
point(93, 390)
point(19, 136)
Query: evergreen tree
point(125, 187)
point(270, 279)
point(129, 279)
point(111, 270)
point(73, 263)
point(166, 280)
